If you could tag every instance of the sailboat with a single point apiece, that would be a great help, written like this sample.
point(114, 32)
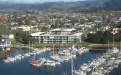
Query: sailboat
point(114, 50)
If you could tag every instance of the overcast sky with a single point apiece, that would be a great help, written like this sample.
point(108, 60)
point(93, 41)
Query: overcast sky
point(40, 1)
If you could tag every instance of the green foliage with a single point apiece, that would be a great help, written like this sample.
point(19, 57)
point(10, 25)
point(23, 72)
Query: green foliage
point(100, 37)
point(104, 40)
point(44, 29)
point(1, 49)
point(22, 38)
point(108, 35)
point(56, 25)
point(20, 22)
point(32, 40)
point(118, 36)
point(28, 21)
point(84, 37)
point(118, 25)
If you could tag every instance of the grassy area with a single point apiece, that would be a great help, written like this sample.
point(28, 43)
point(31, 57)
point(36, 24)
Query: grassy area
point(8, 31)
point(55, 44)
point(4, 51)
point(63, 45)
point(14, 42)
point(86, 43)
point(100, 13)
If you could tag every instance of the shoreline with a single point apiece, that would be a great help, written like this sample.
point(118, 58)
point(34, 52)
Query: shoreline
point(4, 55)
point(95, 47)
point(103, 45)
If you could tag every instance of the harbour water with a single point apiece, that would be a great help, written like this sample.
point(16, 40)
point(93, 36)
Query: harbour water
point(22, 67)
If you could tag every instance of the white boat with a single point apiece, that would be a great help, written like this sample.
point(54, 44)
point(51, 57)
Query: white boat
point(96, 73)
point(79, 72)
point(50, 63)
point(9, 60)
point(84, 67)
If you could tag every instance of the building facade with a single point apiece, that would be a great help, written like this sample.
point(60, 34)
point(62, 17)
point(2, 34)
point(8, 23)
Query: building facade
point(57, 36)
point(8, 36)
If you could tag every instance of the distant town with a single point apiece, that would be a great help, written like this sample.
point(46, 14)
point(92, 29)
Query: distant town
point(60, 38)
point(33, 26)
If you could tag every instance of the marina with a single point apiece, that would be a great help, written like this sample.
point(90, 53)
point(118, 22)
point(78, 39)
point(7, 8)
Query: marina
point(47, 61)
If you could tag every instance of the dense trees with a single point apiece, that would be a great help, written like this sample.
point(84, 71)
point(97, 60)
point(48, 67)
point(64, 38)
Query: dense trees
point(22, 38)
point(100, 37)
point(44, 29)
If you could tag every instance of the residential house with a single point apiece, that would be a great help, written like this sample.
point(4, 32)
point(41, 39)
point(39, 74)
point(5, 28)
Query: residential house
point(93, 30)
point(5, 43)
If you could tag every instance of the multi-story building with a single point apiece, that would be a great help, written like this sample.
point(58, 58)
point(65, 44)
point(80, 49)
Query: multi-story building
point(57, 36)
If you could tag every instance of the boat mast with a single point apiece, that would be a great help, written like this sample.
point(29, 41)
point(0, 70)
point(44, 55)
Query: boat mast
point(71, 64)
point(120, 45)
point(113, 41)
point(108, 45)
point(53, 49)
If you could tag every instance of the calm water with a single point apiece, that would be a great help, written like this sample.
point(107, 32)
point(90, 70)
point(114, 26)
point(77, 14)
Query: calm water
point(22, 67)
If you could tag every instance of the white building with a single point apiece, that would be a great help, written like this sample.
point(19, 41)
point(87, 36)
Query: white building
point(8, 36)
point(23, 28)
point(26, 28)
point(5, 43)
point(57, 36)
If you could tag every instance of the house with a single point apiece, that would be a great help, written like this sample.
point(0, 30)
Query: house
point(116, 30)
point(116, 21)
point(93, 30)
point(26, 28)
point(83, 26)
point(8, 36)
point(13, 28)
point(5, 43)
point(23, 28)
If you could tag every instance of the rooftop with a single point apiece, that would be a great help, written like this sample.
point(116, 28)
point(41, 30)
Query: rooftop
point(37, 33)
point(77, 34)
point(67, 30)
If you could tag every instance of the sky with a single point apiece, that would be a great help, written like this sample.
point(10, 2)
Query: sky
point(39, 1)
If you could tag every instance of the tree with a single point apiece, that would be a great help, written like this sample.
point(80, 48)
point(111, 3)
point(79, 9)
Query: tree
point(44, 29)
point(20, 22)
point(56, 26)
point(28, 21)
point(32, 40)
point(84, 37)
point(118, 36)
point(108, 35)
point(104, 40)
point(25, 40)
point(22, 38)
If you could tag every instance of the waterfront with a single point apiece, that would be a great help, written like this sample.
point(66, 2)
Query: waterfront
point(22, 67)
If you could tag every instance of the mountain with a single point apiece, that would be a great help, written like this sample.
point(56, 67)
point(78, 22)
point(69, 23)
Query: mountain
point(109, 5)
point(113, 5)
point(95, 6)
point(46, 5)
point(90, 5)
point(43, 6)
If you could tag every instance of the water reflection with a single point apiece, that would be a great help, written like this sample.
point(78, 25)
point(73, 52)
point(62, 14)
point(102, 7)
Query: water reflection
point(22, 67)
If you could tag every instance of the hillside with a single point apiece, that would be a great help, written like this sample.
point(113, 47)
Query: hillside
point(91, 5)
